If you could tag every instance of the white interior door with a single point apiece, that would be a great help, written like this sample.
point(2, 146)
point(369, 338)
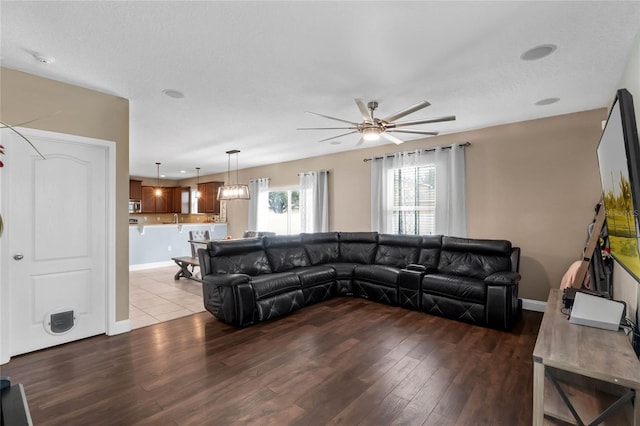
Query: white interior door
point(55, 244)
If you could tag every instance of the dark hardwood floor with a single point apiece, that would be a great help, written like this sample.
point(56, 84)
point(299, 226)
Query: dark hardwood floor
point(343, 362)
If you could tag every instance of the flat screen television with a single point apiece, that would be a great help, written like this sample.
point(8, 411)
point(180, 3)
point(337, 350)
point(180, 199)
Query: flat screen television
point(619, 161)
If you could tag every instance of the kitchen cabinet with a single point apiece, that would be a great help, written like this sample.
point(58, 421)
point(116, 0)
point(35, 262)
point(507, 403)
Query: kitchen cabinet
point(176, 203)
point(151, 203)
point(208, 201)
point(135, 189)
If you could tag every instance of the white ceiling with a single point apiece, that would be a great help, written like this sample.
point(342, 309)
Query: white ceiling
point(249, 70)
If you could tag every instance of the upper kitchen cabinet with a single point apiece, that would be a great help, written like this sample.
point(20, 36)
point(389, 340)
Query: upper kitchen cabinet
point(135, 189)
point(208, 201)
point(152, 203)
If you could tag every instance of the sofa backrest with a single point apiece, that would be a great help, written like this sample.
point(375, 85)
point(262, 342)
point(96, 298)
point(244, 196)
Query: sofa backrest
point(242, 256)
point(430, 247)
point(322, 247)
point(358, 247)
point(473, 257)
point(397, 250)
point(285, 252)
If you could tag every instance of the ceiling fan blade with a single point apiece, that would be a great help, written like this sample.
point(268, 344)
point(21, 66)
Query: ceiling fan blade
point(406, 111)
point(429, 120)
point(366, 114)
point(326, 128)
point(391, 138)
point(339, 136)
point(332, 118)
point(416, 132)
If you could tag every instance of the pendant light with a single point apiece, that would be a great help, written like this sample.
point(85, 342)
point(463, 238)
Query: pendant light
point(234, 191)
point(197, 182)
point(158, 191)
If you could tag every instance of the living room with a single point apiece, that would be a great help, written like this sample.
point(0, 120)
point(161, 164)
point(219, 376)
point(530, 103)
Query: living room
point(533, 182)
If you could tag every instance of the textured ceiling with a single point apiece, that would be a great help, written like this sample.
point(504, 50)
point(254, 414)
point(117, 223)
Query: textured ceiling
point(249, 70)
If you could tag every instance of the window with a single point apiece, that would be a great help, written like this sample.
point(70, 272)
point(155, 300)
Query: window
point(420, 192)
point(414, 200)
point(284, 211)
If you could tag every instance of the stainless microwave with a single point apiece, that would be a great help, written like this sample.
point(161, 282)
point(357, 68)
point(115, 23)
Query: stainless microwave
point(135, 206)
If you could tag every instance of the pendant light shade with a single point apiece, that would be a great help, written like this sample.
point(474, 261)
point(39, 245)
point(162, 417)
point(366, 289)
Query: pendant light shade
point(233, 191)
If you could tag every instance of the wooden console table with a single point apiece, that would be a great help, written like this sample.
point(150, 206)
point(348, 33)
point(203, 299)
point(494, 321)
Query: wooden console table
point(583, 374)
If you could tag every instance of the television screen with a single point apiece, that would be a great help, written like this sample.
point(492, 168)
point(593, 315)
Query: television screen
point(619, 161)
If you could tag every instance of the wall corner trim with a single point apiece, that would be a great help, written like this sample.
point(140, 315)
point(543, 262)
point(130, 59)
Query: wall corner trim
point(119, 327)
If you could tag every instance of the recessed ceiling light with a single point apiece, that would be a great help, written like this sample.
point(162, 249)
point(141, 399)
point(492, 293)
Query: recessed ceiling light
point(538, 52)
point(44, 59)
point(172, 93)
point(183, 171)
point(163, 176)
point(547, 101)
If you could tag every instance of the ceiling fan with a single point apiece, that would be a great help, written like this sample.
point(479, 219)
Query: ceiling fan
point(372, 128)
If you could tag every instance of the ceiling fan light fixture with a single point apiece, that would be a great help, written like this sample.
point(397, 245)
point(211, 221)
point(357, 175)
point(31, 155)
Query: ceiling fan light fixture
point(371, 133)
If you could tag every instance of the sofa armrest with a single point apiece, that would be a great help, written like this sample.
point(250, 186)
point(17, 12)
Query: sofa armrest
point(227, 279)
point(416, 267)
point(503, 278)
point(409, 283)
point(230, 298)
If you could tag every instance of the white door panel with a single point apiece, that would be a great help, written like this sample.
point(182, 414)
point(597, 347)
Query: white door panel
point(56, 220)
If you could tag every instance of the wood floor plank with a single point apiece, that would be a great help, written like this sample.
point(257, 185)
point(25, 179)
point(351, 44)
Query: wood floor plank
point(344, 361)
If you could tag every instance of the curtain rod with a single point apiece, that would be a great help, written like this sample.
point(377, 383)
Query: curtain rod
point(306, 173)
point(461, 145)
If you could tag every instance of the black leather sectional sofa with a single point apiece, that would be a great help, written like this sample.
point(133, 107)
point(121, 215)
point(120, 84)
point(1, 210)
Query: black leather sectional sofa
point(246, 281)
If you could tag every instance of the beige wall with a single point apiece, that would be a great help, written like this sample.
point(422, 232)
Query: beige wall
point(73, 110)
point(535, 183)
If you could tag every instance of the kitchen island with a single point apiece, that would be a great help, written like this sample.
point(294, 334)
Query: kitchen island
point(155, 245)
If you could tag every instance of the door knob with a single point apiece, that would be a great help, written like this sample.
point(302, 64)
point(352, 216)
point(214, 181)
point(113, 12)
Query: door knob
point(18, 256)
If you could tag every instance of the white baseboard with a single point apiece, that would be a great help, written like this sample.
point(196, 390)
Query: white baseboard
point(144, 266)
point(533, 305)
point(119, 327)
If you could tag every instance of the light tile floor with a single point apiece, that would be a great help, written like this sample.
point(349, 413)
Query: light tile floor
point(154, 296)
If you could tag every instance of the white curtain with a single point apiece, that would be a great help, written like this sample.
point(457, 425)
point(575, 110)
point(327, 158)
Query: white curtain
point(451, 194)
point(258, 204)
point(314, 202)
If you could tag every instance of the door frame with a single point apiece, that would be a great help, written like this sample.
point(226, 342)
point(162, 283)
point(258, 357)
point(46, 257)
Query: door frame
point(112, 325)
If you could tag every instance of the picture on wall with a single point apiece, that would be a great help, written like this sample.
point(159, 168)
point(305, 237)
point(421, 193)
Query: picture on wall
point(619, 161)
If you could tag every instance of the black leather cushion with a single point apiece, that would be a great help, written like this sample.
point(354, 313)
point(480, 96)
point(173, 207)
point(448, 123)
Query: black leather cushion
point(358, 247)
point(474, 258)
point(245, 256)
point(265, 286)
point(429, 255)
point(375, 292)
point(344, 271)
point(279, 305)
point(386, 276)
point(315, 275)
point(318, 293)
point(455, 287)
point(397, 250)
point(462, 311)
point(322, 247)
point(285, 252)
point(344, 278)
